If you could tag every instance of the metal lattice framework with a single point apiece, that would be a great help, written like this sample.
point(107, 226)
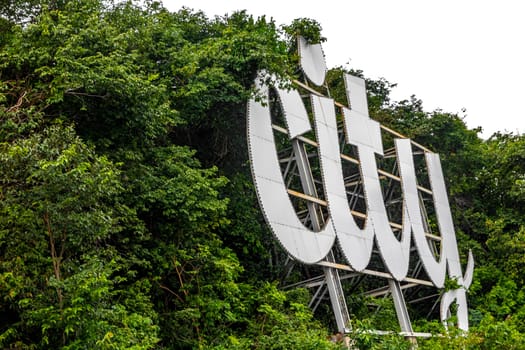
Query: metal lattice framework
point(299, 164)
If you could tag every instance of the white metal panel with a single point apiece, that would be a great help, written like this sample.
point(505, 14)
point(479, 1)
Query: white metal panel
point(365, 133)
point(360, 129)
point(304, 245)
point(356, 244)
point(295, 112)
point(459, 296)
point(469, 270)
point(444, 218)
point(435, 269)
point(313, 62)
point(356, 93)
point(395, 254)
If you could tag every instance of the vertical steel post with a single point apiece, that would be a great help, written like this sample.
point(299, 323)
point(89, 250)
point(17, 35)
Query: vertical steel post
point(401, 309)
point(332, 279)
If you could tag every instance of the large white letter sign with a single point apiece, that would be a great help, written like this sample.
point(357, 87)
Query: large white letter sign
point(356, 243)
point(365, 133)
point(435, 269)
point(300, 242)
point(449, 246)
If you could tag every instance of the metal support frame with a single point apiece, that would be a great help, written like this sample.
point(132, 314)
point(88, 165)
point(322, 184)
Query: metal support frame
point(383, 250)
point(296, 163)
point(332, 279)
point(401, 307)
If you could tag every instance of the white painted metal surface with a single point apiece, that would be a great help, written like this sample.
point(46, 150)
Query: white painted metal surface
point(435, 268)
point(365, 133)
point(304, 245)
point(314, 244)
point(313, 62)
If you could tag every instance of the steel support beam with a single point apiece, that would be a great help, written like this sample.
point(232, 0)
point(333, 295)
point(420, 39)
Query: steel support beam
point(333, 281)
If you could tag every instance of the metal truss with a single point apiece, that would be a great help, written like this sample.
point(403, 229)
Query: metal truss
point(299, 163)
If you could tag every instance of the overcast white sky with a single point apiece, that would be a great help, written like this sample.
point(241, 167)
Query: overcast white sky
point(452, 54)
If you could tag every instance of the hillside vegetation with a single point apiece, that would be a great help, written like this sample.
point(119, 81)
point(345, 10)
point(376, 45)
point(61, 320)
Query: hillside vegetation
point(128, 217)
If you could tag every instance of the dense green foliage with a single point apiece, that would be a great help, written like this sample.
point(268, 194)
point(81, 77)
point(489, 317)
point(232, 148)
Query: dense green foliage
point(128, 217)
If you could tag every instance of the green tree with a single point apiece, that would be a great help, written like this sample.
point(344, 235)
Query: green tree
point(138, 85)
point(128, 216)
point(58, 215)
